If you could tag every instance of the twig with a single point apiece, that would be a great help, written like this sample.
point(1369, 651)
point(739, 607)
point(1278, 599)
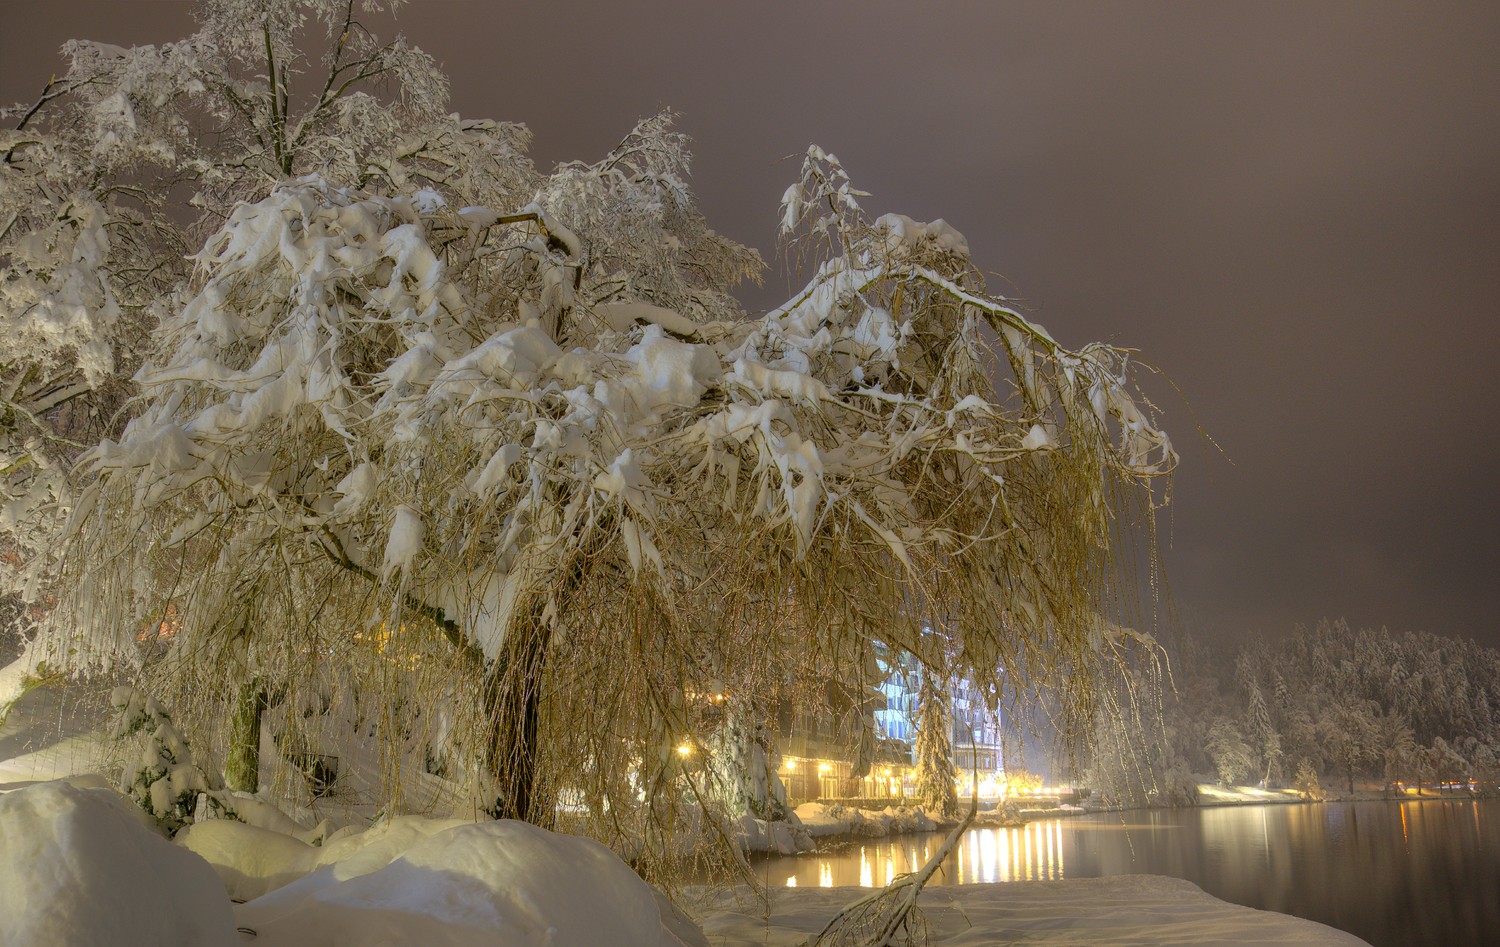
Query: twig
point(896, 901)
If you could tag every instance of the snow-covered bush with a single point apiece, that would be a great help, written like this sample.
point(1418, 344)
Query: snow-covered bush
point(164, 781)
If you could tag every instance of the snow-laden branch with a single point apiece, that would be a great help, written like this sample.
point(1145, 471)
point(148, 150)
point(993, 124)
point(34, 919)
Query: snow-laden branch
point(538, 432)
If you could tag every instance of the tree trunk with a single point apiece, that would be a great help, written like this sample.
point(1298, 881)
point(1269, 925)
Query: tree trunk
point(242, 762)
point(512, 705)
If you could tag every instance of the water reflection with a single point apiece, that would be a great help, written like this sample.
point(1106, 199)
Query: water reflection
point(1391, 872)
point(1035, 852)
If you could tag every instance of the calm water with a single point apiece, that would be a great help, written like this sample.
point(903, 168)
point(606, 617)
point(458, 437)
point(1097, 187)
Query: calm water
point(1393, 873)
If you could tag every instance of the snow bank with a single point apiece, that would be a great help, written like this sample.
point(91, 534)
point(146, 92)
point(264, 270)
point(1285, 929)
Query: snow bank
point(80, 867)
point(1102, 912)
point(781, 837)
point(822, 820)
point(491, 882)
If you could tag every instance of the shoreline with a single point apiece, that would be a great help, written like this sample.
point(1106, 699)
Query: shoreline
point(835, 843)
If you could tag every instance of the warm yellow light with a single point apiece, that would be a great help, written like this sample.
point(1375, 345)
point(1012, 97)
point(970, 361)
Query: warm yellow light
point(825, 767)
point(684, 749)
point(791, 766)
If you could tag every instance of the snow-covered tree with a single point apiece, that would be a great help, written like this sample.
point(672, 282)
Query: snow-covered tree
point(115, 174)
point(428, 427)
point(1264, 739)
point(745, 761)
point(1399, 751)
point(1306, 782)
point(70, 315)
point(935, 773)
point(1484, 767)
point(1351, 732)
point(1232, 757)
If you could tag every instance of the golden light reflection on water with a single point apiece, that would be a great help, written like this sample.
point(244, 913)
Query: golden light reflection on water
point(1030, 853)
point(1026, 834)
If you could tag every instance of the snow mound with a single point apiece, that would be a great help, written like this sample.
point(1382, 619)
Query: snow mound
point(360, 853)
point(250, 861)
point(491, 882)
point(78, 867)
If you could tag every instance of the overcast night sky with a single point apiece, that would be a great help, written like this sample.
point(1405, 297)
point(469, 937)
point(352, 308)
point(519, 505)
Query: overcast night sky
point(1292, 208)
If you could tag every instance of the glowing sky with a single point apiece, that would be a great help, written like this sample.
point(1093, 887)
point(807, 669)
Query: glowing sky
point(1293, 208)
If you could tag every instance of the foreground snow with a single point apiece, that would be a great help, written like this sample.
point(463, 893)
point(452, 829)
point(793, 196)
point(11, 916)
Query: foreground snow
point(1100, 912)
point(81, 866)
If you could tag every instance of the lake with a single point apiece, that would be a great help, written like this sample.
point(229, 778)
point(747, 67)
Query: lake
point(1394, 873)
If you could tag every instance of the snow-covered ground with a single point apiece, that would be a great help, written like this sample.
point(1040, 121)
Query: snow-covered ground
point(1100, 912)
point(81, 865)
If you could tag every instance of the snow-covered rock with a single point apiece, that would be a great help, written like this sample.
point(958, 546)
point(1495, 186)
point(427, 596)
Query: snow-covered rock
point(490, 882)
point(80, 867)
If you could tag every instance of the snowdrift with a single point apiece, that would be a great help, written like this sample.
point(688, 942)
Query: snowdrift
point(81, 867)
point(84, 867)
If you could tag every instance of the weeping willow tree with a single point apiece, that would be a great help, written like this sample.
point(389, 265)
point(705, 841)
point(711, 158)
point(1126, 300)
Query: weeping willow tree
point(521, 494)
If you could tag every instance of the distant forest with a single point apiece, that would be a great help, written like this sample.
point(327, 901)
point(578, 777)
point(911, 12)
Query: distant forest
point(1329, 708)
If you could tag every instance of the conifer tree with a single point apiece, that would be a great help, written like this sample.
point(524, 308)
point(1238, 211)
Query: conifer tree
point(936, 776)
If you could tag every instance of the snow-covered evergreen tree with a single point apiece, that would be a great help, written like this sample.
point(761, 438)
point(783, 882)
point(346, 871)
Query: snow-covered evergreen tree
point(936, 786)
point(1306, 782)
point(1264, 739)
point(164, 780)
point(745, 762)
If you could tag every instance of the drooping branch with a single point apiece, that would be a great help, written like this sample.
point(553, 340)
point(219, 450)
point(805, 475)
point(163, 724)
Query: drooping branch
point(450, 629)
